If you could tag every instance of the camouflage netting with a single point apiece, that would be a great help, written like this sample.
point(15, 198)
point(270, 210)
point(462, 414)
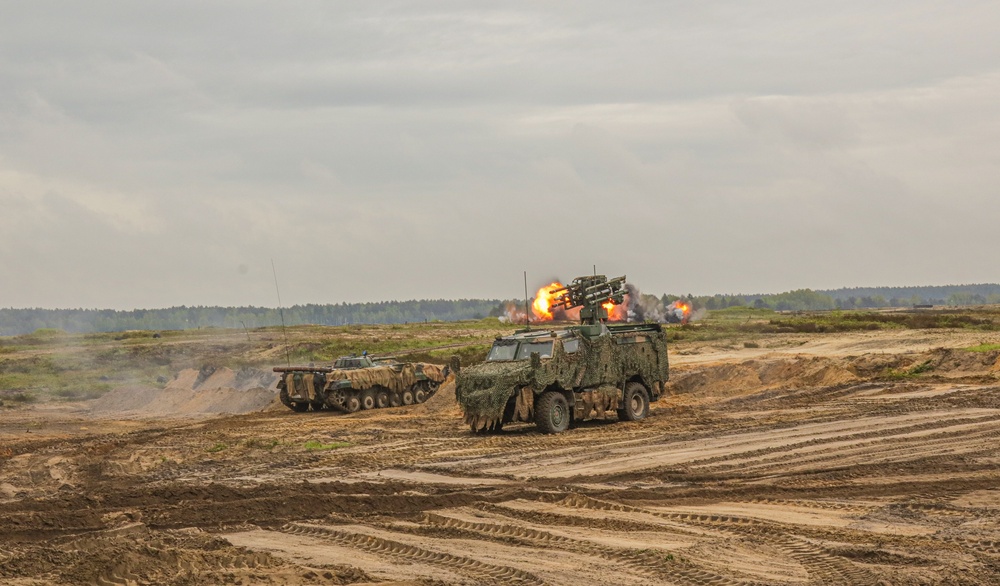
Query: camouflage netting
point(394, 379)
point(484, 390)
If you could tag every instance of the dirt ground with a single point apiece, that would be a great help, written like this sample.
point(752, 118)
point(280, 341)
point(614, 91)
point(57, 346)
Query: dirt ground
point(858, 458)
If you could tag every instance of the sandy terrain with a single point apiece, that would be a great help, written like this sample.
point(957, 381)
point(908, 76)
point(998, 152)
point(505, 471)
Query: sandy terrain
point(796, 462)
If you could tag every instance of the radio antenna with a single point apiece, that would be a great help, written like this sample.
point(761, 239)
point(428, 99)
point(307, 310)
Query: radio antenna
point(527, 310)
point(281, 312)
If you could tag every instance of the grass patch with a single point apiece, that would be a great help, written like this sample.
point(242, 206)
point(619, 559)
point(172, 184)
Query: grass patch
point(218, 447)
point(313, 445)
point(984, 348)
point(913, 371)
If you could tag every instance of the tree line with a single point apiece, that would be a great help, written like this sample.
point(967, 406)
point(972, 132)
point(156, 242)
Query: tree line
point(854, 298)
point(23, 321)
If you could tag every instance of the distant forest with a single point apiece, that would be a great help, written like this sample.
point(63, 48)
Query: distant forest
point(23, 321)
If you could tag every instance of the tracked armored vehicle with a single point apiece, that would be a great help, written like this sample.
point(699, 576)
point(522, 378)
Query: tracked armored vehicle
point(358, 382)
point(556, 377)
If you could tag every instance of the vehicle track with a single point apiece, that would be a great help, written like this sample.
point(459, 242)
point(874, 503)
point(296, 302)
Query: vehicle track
point(645, 561)
point(411, 553)
point(828, 568)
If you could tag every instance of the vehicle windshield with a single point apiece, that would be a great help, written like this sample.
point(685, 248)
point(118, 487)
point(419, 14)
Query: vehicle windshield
point(544, 349)
point(502, 351)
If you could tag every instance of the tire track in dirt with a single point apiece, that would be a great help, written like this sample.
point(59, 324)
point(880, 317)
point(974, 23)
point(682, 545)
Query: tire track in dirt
point(921, 440)
point(829, 569)
point(653, 564)
point(887, 431)
point(414, 554)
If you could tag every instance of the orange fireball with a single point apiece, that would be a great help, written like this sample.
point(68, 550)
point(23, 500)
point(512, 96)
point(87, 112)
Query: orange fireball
point(544, 299)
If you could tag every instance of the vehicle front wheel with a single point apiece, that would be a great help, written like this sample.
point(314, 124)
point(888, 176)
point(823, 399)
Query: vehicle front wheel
point(552, 413)
point(636, 403)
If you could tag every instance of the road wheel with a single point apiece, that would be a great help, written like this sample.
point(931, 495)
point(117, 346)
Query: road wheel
point(420, 396)
point(368, 400)
point(552, 413)
point(395, 400)
point(294, 406)
point(636, 403)
point(352, 404)
point(407, 397)
point(382, 399)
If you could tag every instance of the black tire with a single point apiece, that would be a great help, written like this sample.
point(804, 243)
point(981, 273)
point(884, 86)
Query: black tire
point(552, 413)
point(407, 397)
point(382, 399)
point(287, 402)
point(635, 403)
point(352, 403)
point(420, 396)
point(395, 400)
point(368, 400)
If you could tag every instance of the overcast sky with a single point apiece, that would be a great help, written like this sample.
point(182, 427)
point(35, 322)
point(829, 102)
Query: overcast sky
point(158, 154)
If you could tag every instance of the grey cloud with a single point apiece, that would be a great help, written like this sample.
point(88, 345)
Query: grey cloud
point(149, 151)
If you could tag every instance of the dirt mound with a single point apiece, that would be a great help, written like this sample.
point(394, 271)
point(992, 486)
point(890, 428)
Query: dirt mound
point(958, 362)
point(443, 401)
point(726, 380)
point(207, 391)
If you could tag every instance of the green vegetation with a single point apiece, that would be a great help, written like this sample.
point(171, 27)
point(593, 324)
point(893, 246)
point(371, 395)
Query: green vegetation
point(914, 371)
point(218, 447)
point(312, 445)
point(984, 348)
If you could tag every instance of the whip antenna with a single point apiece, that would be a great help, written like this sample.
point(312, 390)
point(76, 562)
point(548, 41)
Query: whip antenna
point(527, 310)
point(281, 312)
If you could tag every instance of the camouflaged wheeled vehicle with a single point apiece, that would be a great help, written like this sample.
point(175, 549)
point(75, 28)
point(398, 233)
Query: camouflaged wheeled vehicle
point(559, 376)
point(358, 382)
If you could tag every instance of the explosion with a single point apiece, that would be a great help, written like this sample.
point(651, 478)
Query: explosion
point(678, 312)
point(544, 300)
point(636, 307)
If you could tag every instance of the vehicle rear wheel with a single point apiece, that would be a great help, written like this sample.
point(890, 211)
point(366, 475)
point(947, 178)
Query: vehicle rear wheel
point(552, 413)
point(382, 399)
point(352, 404)
point(368, 400)
point(636, 403)
point(420, 396)
point(407, 397)
point(395, 400)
